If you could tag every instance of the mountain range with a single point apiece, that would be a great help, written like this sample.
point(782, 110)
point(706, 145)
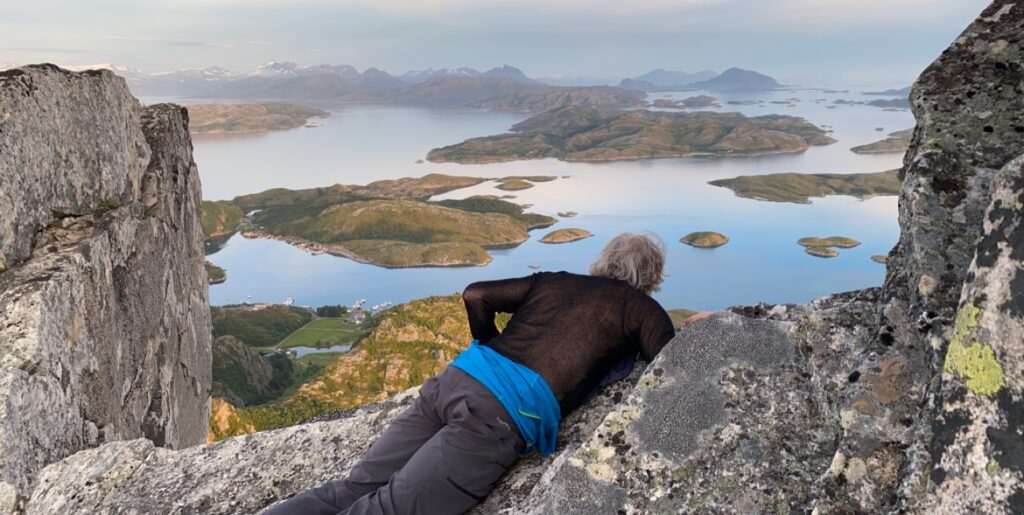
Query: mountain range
point(503, 88)
point(665, 80)
point(736, 79)
point(501, 72)
point(733, 79)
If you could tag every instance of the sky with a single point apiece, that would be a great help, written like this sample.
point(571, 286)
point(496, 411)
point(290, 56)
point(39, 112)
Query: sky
point(836, 41)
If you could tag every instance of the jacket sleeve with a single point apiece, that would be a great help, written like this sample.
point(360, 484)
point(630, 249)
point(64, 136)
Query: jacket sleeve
point(485, 299)
point(650, 326)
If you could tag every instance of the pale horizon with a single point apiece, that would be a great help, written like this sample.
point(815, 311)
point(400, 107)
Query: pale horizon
point(868, 41)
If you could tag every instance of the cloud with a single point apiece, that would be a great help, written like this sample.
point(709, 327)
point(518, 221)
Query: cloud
point(840, 11)
point(184, 43)
point(168, 42)
point(45, 50)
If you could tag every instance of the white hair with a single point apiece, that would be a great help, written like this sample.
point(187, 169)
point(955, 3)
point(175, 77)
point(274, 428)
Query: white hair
point(638, 259)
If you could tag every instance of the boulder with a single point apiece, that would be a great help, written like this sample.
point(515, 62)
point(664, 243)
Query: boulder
point(104, 317)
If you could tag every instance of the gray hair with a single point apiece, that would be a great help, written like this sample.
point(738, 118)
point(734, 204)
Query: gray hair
point(638, 259)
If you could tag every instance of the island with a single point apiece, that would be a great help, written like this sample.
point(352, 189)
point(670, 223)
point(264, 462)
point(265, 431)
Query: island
point(220, 221)
point(214, 273)
point(219, 218)
point(705, 239)
point(822, 252)
point(799, 188)
point(667, 103)
point(394, 233)
point(392, 223)
point(241, 118)
point(514, 185)
point(822, 247)
point(567, 214)
point(699, 101)
point(584, 134)
point(897, 142)
point(880, 259)
point(565, 236)
point(736, 80)
point(902, 92)
point(695, 102)
point(895, 103)
point(831, 241)
point(531, 178)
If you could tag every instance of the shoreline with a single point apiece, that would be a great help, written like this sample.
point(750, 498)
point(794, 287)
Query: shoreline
point(339, 250)
point(620, 159)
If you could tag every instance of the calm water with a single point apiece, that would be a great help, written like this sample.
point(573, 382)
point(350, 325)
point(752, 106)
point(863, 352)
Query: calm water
point(669, 197)
point(302, 351)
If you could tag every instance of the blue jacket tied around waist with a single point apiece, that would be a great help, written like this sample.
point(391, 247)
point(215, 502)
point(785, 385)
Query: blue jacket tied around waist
point(524, 394)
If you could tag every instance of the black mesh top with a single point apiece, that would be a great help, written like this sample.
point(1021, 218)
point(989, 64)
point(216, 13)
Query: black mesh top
point(571, 329)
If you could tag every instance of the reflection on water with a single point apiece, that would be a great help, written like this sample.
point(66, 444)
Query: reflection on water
point(302, 351)
point(669, 197)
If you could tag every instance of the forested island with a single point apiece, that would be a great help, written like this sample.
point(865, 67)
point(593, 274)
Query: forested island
point(897, 142)
point(239, 118)
point(584, 134)
point(799, 188)
point(565, 236)
point(387, 223)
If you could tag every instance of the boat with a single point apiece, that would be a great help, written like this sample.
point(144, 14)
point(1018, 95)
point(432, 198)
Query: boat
point(535, 267)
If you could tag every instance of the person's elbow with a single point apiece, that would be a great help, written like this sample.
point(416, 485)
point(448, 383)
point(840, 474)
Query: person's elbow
point(473, 294)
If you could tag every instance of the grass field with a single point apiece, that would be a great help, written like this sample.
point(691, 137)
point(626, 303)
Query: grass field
point(325, 332)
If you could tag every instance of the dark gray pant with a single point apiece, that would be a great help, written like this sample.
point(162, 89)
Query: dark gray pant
point(442, 455)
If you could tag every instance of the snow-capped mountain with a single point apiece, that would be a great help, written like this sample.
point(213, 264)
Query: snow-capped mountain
point(276, 69)
point(211, 73)
point(342, 70)
point(421, 76)
point(501, 72)
point(290, 69)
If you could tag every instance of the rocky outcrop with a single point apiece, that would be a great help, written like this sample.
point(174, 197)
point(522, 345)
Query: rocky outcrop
point(245, 474)
point(970, 111)
point(906, 398)
point(977, 451)
point(237, 475)
point(104, 318)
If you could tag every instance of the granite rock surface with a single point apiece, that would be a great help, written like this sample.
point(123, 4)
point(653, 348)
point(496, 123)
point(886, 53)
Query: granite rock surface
point(104, 318)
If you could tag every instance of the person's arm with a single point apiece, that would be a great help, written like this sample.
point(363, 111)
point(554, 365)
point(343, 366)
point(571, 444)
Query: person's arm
point(651, 326)
point(485, 299)
point(695, 317)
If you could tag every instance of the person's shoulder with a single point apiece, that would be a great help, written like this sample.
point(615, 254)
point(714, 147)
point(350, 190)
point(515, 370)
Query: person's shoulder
point(646, 301)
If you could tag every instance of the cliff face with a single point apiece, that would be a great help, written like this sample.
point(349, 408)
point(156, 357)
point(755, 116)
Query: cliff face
point(243, 372)
point(104, 317)
point(906, 398)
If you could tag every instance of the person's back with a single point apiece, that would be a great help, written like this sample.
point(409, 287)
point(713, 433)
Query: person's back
point(507, 392)
point(569, 328)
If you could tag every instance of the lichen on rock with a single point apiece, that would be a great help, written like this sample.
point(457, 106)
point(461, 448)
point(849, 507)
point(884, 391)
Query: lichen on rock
point(970, 358)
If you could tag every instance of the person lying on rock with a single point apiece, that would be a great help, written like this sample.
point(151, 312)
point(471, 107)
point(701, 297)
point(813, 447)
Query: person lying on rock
point(507, 393)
